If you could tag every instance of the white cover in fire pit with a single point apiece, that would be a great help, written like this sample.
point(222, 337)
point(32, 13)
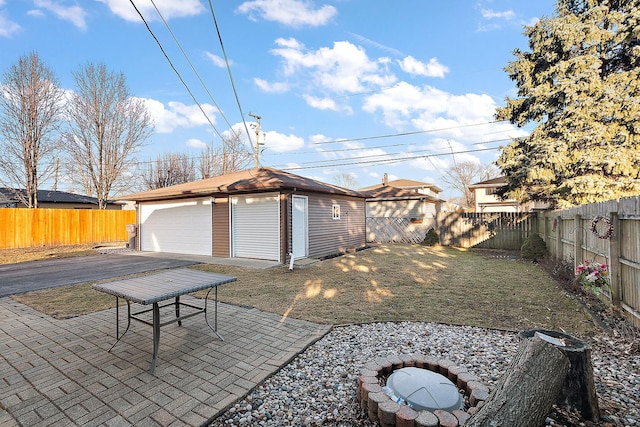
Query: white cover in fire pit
point(425, 390)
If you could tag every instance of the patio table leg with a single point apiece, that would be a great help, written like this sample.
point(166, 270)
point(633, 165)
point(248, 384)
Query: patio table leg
point(178, 310)
point(118, 336)
point(215, 314)
point(156, 336)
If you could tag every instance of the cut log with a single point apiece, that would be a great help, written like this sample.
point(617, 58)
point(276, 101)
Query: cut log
point(525, 393)
point(578, 392)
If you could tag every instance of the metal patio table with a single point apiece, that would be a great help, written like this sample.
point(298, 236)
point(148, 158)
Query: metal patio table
point(155, 288)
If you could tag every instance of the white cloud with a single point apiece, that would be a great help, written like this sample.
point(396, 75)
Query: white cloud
point(431, 69)
point(174, 115)
point(273, 141)
point(35, 12)
point(292, 13)
point(196, 143)
point(217, 60)
point(375, 44)
point(318, 138)
point(471, 107)
point(407, 103)
point(343, 68)
point(281, 143)
point(491, 14)
point(276, 87)
point(326, 104)
point(290, 42)
point(454, 123)
point(7, 27)
point(168, 8)
point(496, 20)
point(74, 14)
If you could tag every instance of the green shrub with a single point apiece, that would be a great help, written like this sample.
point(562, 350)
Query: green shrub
point(431, 239)
point(534, 248)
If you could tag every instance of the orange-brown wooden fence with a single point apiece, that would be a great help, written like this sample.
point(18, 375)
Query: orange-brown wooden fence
point(21, 228)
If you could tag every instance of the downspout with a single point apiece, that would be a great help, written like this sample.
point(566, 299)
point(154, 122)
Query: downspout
point(288, 249)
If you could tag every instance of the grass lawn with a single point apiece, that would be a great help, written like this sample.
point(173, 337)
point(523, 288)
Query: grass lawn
point(383, 283)
point(10, 256)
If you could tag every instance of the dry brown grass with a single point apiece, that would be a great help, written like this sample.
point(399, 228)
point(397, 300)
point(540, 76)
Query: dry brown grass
point(384, 283)
point(10, 256)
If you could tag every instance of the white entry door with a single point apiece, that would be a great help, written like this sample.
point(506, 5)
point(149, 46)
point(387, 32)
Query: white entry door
point(300, 227)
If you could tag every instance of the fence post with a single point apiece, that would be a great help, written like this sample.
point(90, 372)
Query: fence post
point(559, 238)
point(577, 249)
point(614, 260)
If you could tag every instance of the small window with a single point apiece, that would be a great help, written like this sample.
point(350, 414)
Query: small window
point(335, 211)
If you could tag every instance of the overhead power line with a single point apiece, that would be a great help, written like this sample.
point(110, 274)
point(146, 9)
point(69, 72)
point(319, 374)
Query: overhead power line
point(371, 156)
point(373, 147)
point(385, 161)
point(193, 68)
point(418, 132)
point(226, 61)
point(175, 70)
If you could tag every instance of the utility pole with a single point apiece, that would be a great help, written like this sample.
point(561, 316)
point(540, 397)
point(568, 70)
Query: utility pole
point(257, 162)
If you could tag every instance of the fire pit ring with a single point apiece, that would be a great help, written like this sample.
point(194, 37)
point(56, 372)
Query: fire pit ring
point(381, 409)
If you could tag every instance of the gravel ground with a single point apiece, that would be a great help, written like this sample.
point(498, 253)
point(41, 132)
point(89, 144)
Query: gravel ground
point(318, 387)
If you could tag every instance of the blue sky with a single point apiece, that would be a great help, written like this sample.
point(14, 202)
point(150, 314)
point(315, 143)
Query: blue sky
point(364, 87)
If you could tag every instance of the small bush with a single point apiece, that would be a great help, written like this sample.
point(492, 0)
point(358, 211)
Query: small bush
point(431, 239)
point(534, 248)
point(562, 271)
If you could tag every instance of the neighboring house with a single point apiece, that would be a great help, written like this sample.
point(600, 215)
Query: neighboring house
point(403, 198)
point(262, 213)
point(52, 200)
point(487, 201)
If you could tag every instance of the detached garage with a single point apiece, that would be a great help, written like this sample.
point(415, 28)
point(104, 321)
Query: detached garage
point(262, 214)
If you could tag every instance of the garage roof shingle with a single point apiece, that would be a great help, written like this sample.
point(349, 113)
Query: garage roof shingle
point(248, 181)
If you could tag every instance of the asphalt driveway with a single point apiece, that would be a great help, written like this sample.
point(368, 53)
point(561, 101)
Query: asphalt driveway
point(35, 275)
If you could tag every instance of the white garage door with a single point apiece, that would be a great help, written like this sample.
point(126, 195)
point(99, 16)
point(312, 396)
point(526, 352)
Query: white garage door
point(256, 226)
point(181, 226)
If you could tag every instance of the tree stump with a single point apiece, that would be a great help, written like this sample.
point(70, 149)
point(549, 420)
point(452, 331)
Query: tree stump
point(578, 392)
point(524, 395)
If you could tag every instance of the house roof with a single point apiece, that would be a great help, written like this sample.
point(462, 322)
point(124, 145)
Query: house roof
point(393, 193)
point(404, 183)
point(495, 182)
point(47, 196)
point(248, 181)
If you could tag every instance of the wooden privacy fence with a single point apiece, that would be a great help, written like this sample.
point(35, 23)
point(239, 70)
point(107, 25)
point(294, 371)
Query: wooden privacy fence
point(500, 230)
point(582, 233)
point(397, 230)
point(21, 228)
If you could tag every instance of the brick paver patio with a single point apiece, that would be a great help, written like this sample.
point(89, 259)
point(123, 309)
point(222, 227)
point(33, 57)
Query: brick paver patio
point(58, 372)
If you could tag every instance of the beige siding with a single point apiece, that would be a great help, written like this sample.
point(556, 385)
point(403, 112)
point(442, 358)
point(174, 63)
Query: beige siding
point(221, 227)
point(394, 209)
point(401, 209)
point(328, 235)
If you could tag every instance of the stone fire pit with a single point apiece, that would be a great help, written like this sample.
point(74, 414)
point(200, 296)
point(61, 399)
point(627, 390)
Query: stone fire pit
point(382, 410)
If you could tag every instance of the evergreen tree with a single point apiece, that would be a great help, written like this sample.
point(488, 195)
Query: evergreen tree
point(580, 86)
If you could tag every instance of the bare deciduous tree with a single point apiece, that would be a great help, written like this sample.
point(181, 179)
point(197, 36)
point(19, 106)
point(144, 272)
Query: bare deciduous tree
point(462, 174)
point(107, 126)
point(345, 180)
point(170, 169)
point(30, 115)
point(233, 156)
